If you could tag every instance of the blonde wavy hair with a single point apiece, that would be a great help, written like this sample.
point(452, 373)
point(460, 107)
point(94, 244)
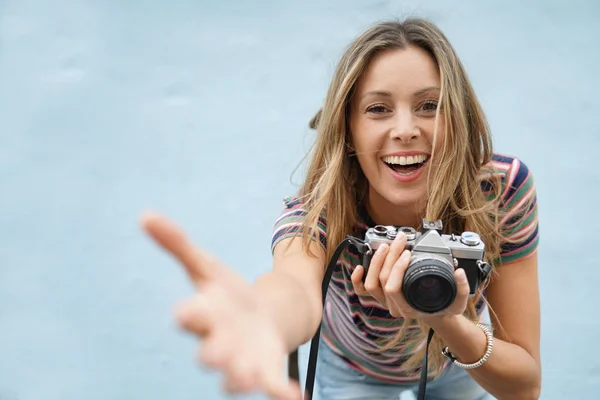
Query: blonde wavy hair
point(335, 184)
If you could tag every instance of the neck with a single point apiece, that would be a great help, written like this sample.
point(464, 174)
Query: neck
point(382, 212)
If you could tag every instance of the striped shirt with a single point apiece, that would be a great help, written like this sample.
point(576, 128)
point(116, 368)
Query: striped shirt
point(355, 326)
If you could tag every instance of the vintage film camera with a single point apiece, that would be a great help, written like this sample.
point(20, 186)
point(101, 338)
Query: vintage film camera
point(429, 285)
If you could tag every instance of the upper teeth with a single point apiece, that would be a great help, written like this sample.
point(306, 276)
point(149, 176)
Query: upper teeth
point(404, 160)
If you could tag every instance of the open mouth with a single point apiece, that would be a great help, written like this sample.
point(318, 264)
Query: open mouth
point(406, 164)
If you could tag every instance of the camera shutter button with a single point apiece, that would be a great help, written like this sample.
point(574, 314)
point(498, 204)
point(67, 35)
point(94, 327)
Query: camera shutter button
point(470, 238)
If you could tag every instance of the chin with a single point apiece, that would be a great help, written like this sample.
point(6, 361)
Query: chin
point(399, 201)
point(406, 198)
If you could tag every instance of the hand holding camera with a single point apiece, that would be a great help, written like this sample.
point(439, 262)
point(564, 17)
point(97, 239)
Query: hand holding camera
point(421, 274)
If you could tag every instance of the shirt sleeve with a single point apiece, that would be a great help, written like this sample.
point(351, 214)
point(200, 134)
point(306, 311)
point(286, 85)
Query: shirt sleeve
point(520, 217)
point(291, 220)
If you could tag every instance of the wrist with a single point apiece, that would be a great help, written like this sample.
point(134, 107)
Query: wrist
point(480, 361)
point(437, 322)
point(464, 339)
point(284, 303)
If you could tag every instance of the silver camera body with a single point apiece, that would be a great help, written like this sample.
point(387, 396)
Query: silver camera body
point(434, 258)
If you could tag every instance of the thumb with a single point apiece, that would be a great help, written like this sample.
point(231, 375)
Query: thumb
point(275, 385)
point(199, 265)
point(463, 289)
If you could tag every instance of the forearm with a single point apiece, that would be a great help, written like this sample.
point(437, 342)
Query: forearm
point(509, 373)
point(296, 312)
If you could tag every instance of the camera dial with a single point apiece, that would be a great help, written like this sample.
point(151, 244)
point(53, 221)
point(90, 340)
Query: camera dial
point(410, 233)
point(380, 230)
point(470, 238)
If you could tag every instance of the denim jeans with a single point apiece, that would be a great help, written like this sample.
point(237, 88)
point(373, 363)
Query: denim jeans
point(335, 380)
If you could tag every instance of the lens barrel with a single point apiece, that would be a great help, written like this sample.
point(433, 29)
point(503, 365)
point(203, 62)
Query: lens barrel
point(429, 285)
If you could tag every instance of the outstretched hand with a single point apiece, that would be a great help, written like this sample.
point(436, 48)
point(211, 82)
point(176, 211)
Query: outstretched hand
point(239, 338)
point(385, 278)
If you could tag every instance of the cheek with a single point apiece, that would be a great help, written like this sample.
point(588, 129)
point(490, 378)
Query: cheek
point(366, 148)
point(365, 159)
point(367, 138)
point(437, 140)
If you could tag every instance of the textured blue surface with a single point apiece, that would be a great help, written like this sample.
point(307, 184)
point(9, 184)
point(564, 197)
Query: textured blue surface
point(199, 109)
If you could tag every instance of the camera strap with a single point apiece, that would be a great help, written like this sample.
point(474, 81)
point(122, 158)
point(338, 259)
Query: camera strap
point(314, 343)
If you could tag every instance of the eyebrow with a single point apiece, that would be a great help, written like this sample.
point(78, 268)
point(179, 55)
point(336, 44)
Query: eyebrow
point(377, 93)
point(388, 94)
point(427, 90)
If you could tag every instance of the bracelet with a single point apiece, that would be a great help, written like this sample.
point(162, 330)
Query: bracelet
point(482, 360)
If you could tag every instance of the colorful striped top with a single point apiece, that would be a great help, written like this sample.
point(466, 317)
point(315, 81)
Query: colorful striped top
point(353, 326)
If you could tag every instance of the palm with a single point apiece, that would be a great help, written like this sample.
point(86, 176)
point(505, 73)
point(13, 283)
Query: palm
point(239, 338)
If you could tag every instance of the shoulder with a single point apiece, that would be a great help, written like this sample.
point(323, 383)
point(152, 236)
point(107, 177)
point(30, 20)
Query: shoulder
point(512, 170)
point(295, 208)
point(517, 206)
point(291, 222)
point(292, 202)
point(515, 178)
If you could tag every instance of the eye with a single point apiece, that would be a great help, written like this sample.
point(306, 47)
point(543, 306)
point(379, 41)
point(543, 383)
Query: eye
point(429, 106)
point(377, 109)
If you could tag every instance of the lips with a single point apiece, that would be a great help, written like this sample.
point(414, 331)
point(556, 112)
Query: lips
point(406, 168)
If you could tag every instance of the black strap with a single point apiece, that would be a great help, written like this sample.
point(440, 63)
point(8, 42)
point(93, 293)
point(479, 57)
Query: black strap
point(423, 380)
point(293, 372)
point(314, 343)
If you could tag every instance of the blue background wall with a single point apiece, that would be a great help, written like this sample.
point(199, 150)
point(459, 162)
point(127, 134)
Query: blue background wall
point(199, 109)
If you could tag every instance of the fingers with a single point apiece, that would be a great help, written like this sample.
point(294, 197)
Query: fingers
point(217, 349)
point(393, 287)
point(463, 288)
point(274, 382)
point(372, 285)
point(199, 265)
point(379, 269)
point(243, 376)
point(356, 278)
point(246, 369)
point(462, 292)
point(396, 249)
point(194, 316)
point(359, 287)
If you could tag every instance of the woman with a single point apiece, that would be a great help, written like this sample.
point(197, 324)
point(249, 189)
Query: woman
point(401, 137)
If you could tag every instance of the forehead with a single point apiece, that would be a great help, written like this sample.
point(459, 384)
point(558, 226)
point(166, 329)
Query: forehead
point(402, 71)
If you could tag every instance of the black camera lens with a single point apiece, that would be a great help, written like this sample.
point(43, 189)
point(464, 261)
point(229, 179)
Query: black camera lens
point(429, 285)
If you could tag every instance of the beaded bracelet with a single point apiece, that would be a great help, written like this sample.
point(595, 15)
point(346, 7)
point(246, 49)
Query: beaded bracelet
point(482, 360)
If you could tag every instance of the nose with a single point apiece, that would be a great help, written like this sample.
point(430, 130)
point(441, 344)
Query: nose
point(405, 127)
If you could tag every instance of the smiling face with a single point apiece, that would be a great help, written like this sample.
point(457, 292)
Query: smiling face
point(392, 125)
